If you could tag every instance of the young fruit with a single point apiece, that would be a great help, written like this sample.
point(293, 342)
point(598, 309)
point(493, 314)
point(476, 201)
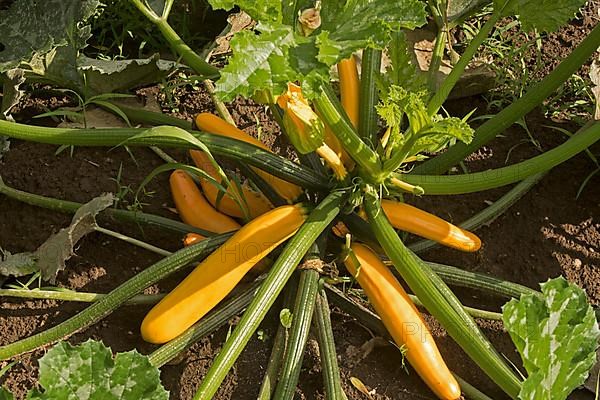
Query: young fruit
point(349, 88)
point(411, 219)
point(402, 320)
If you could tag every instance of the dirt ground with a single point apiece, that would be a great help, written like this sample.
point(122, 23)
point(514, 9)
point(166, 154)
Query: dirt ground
point(548, 233)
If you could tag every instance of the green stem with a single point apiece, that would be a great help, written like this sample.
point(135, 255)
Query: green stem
point(235, 149)
point(69, 295)
point(328, 107)
point(329, 364)
point(190, 57)
point(436, 59)
point(457, 70)
point(475, 182)
point(488, 214)
point(107, 304)
point(473, 312)
point(501, 121)
point(370, 70)
point(473, 280)
point(471, 392)
point(279, 344)
point(163, 155)
point(132, 241)
point(139, 115)
point(439, 300)
point(219, 105)
point(302, 316)
point(71, 207)
point(279, 274)
point(207, 325)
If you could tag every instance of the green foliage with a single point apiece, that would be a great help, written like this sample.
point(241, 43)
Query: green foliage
point(5, 394)
point(424, 133)
point(263, 11)
point(278, 53)
point(356, 24)
point(557, 336)
point(544, 15)
point(89, 371)
point(29, 29)
point(260, 62)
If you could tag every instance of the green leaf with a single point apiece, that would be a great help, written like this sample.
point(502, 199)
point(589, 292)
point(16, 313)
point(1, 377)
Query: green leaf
point(356, 24)
point(425, 133)
point(263, 10)
point(258, 62)
point(442, 133)
point(557, 336)
point(286, 317)
point(402, 68)
point(31, 27)
point(109, 76)
point(5, 394)
point(542, 15)
point(88, 371)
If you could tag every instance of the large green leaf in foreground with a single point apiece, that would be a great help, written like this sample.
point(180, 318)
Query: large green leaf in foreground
point(557, 336)
point(88, 371)
point(31, 28)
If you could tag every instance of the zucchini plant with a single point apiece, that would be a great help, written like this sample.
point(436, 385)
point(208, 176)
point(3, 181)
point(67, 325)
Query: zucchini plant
point(345, 197)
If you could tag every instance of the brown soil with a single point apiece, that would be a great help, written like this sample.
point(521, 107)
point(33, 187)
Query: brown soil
point(547, 233)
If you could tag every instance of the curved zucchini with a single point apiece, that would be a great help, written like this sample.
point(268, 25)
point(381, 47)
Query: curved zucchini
point(402, 320)
point(193, 207)
point(212, 124)
point(219, 273)
point(256, 202)
point(414, 220)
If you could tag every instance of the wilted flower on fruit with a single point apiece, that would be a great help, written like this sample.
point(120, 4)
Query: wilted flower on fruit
point(309, 20)
point(303, 126)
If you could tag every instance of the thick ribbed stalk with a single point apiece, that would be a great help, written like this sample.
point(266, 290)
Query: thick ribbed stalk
point(473, 280)
point(189, 56)
point(279, 274)
point(370, 70)
point(478, 181)
point(436, 58)
point(302, 317)
point(71, 207)
point(488, 214)
point(501, 121)
point(279, 344)
point(231, 148)
point(331, 371)
point(208, 324)
point(440, 301)
point(457, 70)
point(328, 108)
point(115, 298)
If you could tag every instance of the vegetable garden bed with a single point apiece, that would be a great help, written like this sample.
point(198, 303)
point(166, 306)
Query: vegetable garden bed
point(550, 230)
point(545, 234)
